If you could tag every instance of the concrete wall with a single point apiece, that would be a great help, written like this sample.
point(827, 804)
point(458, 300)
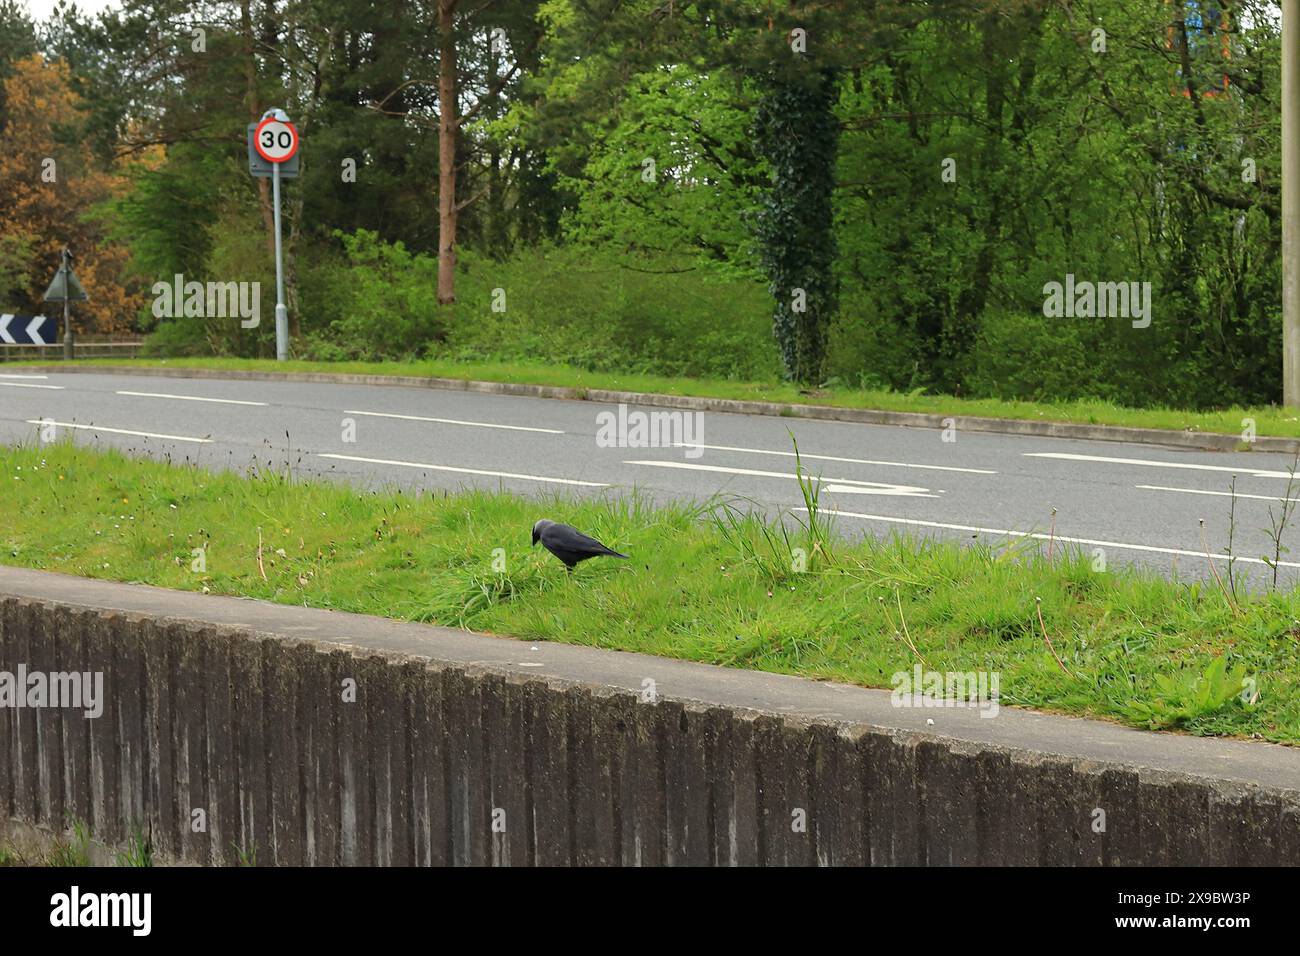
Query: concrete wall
point(237, 708)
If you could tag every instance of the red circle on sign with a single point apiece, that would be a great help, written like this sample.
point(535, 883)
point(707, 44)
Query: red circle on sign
point(276, 150)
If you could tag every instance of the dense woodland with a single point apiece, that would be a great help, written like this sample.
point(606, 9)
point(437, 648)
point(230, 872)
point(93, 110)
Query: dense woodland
point(852, 192)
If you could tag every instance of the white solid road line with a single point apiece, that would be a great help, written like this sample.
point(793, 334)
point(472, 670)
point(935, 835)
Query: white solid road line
point(30, 385)
point(468, 471)
point(852, 461)
point(1248, 472)
point(1220, 494)
point(192, 398)
point(17, 375)
point(854, 486)
point(1047, 537)
point(118, 431)
point(455, 421)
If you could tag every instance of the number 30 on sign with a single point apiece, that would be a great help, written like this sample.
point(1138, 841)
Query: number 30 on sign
point(275, 140)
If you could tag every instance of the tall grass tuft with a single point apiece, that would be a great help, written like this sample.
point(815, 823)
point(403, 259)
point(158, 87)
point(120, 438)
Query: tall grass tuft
point(768, 544)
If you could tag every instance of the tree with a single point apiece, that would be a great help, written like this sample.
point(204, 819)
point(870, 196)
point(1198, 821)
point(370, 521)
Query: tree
point(48, 185)
point(791, 55)
point(797, 133)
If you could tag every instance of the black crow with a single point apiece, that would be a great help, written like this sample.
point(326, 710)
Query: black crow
point(569, 544)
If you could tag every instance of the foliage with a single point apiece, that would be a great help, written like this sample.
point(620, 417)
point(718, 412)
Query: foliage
point(674, 175)
point(607, 312)
point(920, 171)
point(392, 312)
point(48, 186)
point(1182, 695)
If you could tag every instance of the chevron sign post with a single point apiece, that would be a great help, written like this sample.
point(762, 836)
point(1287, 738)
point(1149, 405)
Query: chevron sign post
point(27, 329)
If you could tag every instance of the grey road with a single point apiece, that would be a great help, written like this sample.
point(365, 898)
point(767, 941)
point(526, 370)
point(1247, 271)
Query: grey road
point(1119, 503)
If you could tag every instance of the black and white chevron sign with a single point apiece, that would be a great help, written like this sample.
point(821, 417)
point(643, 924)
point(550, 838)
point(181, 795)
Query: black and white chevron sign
point(27, 329)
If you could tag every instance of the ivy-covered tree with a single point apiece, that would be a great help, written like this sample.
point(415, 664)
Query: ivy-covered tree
point(797, 133)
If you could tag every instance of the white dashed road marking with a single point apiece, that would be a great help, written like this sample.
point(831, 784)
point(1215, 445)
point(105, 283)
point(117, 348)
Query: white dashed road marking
point(855, 486)
point(851, 461)
point(468, 471)
point(192, 398)
point(118, 431)
point(1254, 473)
point(455, 421)
point(1220, 494)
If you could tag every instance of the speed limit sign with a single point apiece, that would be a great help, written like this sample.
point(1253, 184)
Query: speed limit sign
point(275, 140)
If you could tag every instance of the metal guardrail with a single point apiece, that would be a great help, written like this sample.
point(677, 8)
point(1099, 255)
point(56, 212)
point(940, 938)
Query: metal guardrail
point(23, 353)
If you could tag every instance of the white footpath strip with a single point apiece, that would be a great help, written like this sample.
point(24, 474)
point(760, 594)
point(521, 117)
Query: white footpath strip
point(455, 421)
point(118, 431)
point(845, 485)
point(31, 385)
point(468, 471)
point(851, 461)
point(191, 398)
point(1048, 537)
point(1249, 472)
point(1220, 494)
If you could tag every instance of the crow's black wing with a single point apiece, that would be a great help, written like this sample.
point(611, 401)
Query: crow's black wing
point(564, 538)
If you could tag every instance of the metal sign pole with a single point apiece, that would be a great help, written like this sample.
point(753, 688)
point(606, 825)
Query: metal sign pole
point(1290, 204)
point(67, 321)
point(281, 313)
point(272, 142)
point(64, 288)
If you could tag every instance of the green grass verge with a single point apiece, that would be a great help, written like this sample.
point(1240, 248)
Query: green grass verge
point(1269, 420)
point(704, 584)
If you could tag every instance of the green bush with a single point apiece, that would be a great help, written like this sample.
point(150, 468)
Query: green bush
point(866, 351)
point(391, 309)
point(235, 251)
point(598, 311)
point(1026, 355)
point(179, 338)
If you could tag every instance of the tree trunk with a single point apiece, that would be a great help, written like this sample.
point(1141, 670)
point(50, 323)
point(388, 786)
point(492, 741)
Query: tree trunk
point(447, 123)
point(495, 234)
point(796, 131)
point(291, 265)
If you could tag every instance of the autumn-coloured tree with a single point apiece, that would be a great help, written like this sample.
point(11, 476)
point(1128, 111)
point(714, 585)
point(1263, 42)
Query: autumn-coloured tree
point(49, 185)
